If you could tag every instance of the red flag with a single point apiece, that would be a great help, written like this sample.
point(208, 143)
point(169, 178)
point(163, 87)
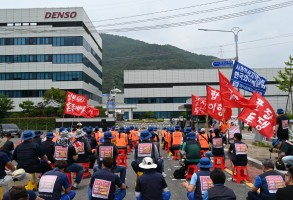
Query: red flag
point(90, 112)
point(231, 98)
point(214, 105)
point(75, 104)
point(198, 106)
point(262, 118)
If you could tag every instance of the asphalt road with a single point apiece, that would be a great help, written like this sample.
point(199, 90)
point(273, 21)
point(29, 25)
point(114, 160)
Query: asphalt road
point(177, 191)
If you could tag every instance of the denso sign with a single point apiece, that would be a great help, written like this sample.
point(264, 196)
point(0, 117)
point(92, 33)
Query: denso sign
point(55, 15)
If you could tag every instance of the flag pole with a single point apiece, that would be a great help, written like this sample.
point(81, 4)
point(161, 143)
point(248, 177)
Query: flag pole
point(72, 121)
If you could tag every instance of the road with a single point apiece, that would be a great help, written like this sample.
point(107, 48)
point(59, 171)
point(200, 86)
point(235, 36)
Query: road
point(177, 191)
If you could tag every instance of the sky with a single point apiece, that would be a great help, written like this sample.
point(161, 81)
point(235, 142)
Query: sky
point(265, 39)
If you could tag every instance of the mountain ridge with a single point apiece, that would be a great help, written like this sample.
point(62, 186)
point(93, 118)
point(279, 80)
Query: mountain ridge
point(121, 53)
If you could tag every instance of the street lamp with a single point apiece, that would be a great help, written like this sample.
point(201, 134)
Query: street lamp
point(235, 31)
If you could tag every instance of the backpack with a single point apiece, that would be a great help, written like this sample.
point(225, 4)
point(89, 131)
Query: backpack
point(179, 173)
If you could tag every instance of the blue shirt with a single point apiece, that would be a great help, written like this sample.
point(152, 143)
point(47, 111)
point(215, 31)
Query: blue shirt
point(3, 162)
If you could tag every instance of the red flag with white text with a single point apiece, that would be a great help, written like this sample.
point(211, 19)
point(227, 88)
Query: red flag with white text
point(262, 118)
point(75, 104)
point(198, 106)
point(91, 112)
point(231, 98)
point(214, 105)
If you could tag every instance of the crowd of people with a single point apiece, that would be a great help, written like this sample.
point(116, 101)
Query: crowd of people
point(67, 150)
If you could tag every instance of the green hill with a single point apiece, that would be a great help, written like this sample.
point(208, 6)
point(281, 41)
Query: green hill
point(121, 53)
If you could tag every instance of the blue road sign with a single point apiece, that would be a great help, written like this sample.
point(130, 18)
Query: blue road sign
point(223, 63)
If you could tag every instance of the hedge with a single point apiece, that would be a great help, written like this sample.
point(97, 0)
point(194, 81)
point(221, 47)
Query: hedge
point(31, 123)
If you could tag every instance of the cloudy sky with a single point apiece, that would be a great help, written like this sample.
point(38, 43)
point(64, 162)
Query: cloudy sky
point(266, 39)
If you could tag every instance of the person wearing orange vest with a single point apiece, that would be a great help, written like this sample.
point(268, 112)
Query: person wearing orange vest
point(135, 136)
point(203, 139)
point(168, 136)
point(176, 139)
point(114, 133)
point(121, 139)
point(98, 135)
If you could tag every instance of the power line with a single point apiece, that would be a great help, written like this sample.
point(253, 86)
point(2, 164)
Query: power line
point(164, 11)
point(205, 20)
point(187, 14)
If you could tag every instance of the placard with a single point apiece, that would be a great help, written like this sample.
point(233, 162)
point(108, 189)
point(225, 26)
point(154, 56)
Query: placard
point(47, 183)
point(101, 188)
point(106, 151)
point(205, 183)
point(274, 183)
point(61, 153)
point(240, 149)
point(144, 150)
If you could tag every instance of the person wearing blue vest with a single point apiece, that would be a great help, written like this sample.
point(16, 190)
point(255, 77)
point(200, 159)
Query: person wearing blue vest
point(268, 183)
point(200, 181)
point(51, 183)
point(145, 148)
point(219, 191)
point(103, 183)
point(238, 151)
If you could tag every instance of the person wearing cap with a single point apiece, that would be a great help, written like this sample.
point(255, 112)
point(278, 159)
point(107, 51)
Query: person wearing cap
point(18, 182)
point(134, 135)
point(37, 139)
point(52, 182)
point(219, 190)
point(92, 141)
point(129, 137)
point(8, 147)
point(186, 131)
point(151, 185)
point(121, 139)
point(84, 149)
point(203, 139)
point(145, 148)
point(114, 134)
point(201, 178)
point(268, 183)
point(238, 151)
point(217, 145)
point(28, 155)
point(98, 134)
point(48, 146)
point(108, 149)
point(191, 150)
point(4, 163)
point(103, 182)
point(282, 125)
point(285, 149)
point(284, 193)
point(64, 150)
point(176, 139)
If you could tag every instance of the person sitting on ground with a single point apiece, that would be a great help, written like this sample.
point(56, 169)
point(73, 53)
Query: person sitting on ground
point(18, 182)
point(83, 149)
point(48, 146)
point(219, 191)
point(199, 179)
point(217, 145)
point(191, 150)
point(52, 182)
point(8, 147)
point(28, 155)
point(37, 139)
point(176, 140)
point(64, 150)
point(103, 182)
point(284, 193)
point(268, 183)
point(151, 185)
point(5, 163)
point(285, 149)
point(145, 148)
point(238, 151)
point(108, 149)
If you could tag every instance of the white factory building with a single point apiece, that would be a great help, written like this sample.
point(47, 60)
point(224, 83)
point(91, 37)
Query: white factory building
point(42, 48)
point(165, 91)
